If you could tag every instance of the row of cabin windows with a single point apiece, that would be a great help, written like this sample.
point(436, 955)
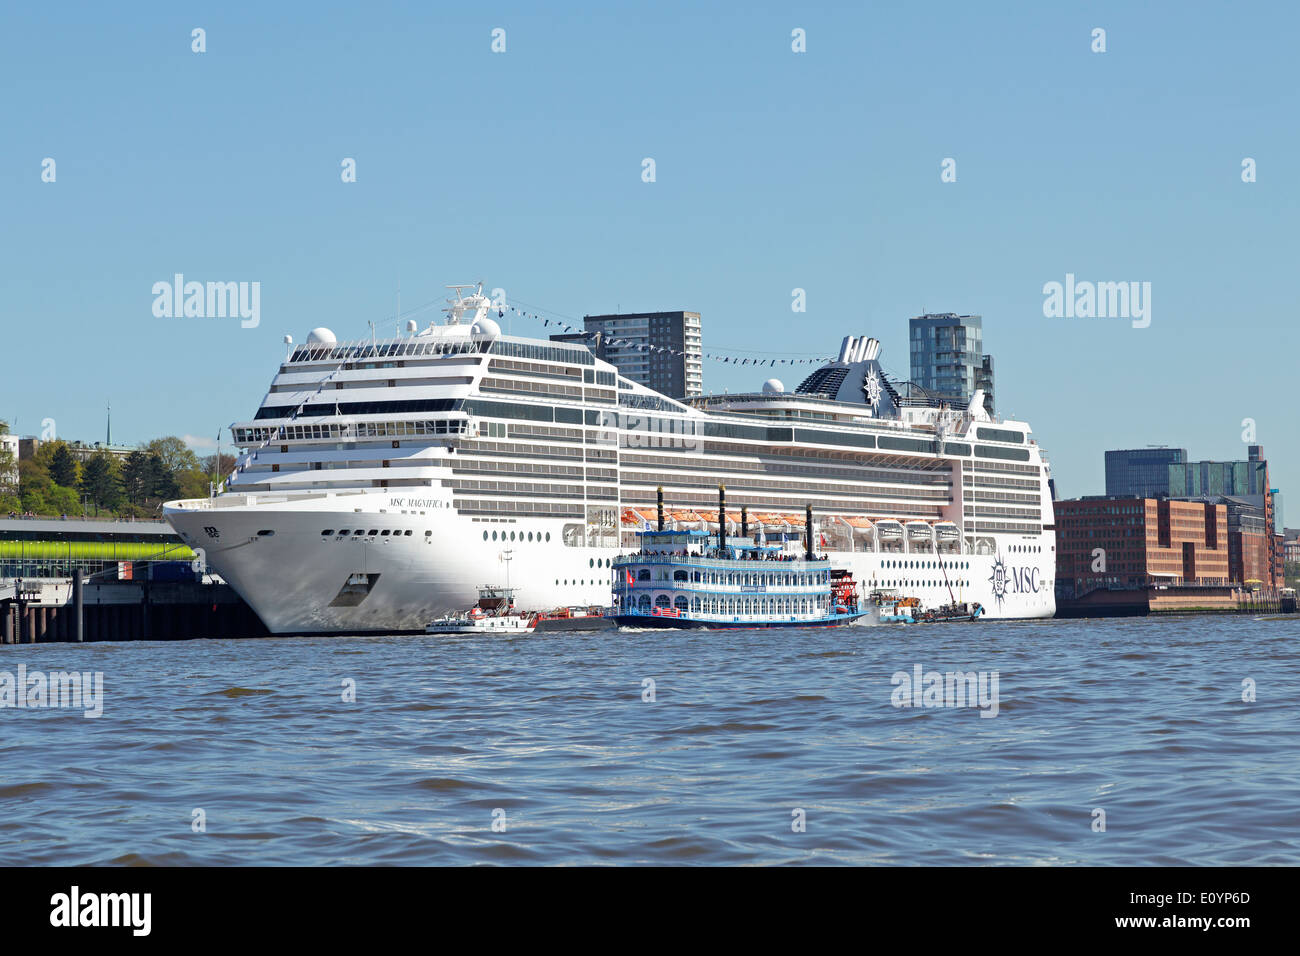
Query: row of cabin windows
point(732, 606)
point(373, 531)
point(746, 578)
point(517, 536)
point(900, 583)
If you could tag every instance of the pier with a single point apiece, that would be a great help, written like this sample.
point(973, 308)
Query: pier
point(53, 611)
point(83, 579)
point(1172, 599)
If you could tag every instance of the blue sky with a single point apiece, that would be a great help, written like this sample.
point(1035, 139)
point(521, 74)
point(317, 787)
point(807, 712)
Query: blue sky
point(774, 171)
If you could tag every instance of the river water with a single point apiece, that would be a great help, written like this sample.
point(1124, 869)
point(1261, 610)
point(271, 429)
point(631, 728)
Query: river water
point(1113, 742)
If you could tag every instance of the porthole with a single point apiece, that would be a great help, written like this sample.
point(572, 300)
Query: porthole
point(494, 535)
point(530, 536)
point(344, 532)
point(385, 533)
point(484, 535)
point(428, 534)
point(591, 562)
point(406, 533)
point(548, 536)
point(373, 531)
point(327, 532)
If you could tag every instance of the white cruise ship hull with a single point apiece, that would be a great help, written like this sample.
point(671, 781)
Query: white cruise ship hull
point(293, 578)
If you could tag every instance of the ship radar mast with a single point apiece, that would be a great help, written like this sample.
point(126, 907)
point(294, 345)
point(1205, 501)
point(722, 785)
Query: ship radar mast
point(476, 304)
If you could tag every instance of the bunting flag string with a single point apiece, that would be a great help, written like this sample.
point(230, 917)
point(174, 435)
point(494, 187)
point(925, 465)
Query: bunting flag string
point(645, 347)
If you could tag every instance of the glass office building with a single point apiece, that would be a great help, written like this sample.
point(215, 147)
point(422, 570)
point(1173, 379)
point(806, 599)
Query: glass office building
point(1142, 472)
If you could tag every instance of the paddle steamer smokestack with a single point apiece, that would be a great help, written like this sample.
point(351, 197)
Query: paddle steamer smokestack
point(722, 517)
point(659, 497)
point(744, 521)
point(807, 532)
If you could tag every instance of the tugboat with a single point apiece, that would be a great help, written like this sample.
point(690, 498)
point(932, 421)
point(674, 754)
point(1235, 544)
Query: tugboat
point(681, 579)
point(889, 608)
point(493, 614)
point(956, 611)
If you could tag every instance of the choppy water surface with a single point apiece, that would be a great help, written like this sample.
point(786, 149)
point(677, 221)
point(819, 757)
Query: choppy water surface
point(1143, 719)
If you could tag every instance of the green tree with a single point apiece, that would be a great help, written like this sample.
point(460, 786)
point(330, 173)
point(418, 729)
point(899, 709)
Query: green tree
point(135, 477)
point(62, 466)
point(194, 483)
point(63, 501)
point(101, 480)
point(175, 454)
point(162, 481)
point(34, 486)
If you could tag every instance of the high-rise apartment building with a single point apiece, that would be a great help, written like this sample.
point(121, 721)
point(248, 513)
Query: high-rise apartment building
point(661, 350)
point(948, 357)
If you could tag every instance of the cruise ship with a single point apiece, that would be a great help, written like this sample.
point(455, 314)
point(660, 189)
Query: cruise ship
point(382, 482)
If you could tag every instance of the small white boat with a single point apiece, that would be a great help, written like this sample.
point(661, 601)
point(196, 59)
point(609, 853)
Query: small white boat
point(493, 614)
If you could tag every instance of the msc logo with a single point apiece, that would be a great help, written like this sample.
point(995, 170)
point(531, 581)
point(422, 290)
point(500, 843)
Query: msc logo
point(211, 531)
point(999, 580)
point(1006, 580)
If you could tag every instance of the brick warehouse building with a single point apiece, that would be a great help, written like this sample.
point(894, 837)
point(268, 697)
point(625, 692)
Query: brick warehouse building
point(1145, 542)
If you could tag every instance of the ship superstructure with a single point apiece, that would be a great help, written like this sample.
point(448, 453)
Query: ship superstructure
point(382, 481)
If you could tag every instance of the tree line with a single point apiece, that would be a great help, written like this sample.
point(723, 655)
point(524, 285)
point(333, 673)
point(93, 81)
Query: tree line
point(58, 480)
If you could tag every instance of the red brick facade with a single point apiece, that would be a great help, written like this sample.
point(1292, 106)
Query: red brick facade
point(1139, 542)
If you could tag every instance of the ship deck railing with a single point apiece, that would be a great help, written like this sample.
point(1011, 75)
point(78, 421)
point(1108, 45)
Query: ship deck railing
point(705, 587)
point(710, 562)
point(732, 618)
point(248, 499)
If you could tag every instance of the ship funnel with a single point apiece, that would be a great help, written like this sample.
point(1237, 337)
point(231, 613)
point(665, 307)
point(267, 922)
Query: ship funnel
point(807, 532)
point(659, 502)
point(722, 517)
point(744, 521)
point(859, 349)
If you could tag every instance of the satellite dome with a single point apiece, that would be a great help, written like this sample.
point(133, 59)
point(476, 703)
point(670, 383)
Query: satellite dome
point(773, 386)
point(321, 336)
point(487, 327)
